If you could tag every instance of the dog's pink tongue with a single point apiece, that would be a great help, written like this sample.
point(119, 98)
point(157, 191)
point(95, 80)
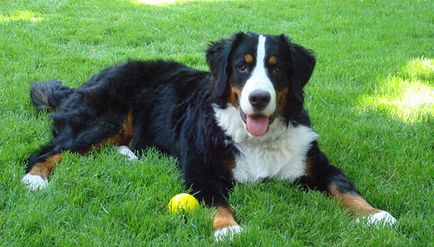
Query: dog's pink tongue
point(257, 126)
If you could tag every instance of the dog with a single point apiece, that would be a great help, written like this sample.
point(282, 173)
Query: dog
point(244, 121)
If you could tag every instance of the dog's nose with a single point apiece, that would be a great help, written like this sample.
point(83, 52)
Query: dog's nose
point(259, 99)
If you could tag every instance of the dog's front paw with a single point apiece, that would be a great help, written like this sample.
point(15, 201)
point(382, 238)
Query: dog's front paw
point(34, 182)
point(227, 232)
point(380, 218)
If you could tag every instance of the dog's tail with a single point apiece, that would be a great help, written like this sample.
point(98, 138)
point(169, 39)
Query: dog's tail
point(49, 94)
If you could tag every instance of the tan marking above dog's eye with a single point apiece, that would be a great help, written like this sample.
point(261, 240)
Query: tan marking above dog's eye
point(248, 59)
point(272, 60)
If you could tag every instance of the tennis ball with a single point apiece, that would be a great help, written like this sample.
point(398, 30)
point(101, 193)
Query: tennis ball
point(182, 203)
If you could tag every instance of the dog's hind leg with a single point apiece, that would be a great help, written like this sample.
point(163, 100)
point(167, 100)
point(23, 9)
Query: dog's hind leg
point(39, 168)
point(40, 165)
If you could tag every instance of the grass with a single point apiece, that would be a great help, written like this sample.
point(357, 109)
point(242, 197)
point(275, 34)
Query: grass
point(371, 100)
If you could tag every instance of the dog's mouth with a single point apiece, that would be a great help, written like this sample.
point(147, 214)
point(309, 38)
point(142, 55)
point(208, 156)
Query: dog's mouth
point(257, 124)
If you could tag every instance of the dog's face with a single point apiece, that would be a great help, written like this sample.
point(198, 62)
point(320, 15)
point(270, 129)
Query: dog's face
point(261, 75)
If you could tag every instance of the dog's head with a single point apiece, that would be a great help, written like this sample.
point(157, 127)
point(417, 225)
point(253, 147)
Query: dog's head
point(261, 75)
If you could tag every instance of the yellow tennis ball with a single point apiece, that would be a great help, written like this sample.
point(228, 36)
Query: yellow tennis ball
point(182, 203)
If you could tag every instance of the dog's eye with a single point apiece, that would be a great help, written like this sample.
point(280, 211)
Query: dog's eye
point(275, 70)
point(244, 69)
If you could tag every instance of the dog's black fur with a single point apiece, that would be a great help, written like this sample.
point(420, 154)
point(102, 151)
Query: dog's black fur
point(172, 109)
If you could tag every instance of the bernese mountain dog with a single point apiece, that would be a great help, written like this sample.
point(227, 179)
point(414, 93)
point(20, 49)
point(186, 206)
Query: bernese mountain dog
point(243, 121)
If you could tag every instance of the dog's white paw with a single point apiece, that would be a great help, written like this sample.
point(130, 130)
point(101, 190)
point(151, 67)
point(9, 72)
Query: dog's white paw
point(34, 182)
point(380, 218)
point(227, 232)
point(125, 151)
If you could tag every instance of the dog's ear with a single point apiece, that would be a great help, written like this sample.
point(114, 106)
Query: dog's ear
point(303, 61)
point(217, 56)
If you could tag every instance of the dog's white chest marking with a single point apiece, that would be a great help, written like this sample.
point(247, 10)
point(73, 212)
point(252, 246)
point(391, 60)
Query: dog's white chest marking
point(280, 153)
point(282, 158)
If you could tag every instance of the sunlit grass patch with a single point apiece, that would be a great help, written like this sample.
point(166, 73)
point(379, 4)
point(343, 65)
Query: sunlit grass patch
point(422, 68)
point(408, 97)
point(408, 101)
point(24, 15)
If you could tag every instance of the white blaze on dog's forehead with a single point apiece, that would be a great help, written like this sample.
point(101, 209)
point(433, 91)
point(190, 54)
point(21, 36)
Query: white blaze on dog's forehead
point(260, 54)
point(259, 80)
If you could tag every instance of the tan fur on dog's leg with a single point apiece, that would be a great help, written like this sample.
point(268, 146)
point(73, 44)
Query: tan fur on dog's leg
point(37, 177)
point(224, 224)
point(355, 203)
point(359, 206)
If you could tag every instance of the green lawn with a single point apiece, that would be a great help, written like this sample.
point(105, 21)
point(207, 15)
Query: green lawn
point(371, 100)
